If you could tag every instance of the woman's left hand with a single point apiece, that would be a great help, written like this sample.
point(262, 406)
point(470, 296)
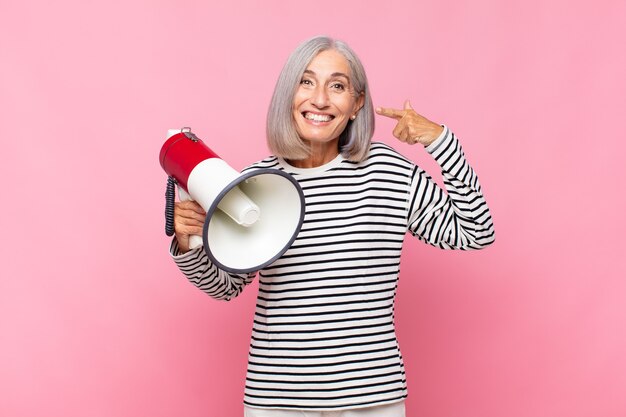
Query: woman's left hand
point(412, 128)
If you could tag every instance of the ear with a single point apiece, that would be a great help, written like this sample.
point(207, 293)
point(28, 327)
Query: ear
point(360, 101)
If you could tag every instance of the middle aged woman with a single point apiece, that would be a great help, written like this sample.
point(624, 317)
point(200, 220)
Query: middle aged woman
point(323, 340)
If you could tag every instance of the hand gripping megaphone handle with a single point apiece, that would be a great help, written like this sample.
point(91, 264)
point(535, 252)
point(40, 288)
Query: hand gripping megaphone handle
point(194, 240)
point(236, 204)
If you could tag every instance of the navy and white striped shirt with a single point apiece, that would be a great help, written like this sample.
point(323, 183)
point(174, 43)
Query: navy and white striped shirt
point(323, 335)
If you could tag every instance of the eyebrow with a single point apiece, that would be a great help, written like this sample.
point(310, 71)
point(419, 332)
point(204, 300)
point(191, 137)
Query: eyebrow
point(334, 74)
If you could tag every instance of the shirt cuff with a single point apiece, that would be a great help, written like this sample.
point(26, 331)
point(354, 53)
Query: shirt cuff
point(447, 151)
point(432, 148)
point(178, 256)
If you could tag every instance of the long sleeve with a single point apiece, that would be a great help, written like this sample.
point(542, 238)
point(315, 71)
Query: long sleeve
point(459, 219)
point(202, 273)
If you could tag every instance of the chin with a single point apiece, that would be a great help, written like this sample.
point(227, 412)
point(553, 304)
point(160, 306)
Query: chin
point(317, 137)
point(318, 140)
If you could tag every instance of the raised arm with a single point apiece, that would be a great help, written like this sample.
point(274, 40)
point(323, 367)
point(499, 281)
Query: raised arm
point(458, 219)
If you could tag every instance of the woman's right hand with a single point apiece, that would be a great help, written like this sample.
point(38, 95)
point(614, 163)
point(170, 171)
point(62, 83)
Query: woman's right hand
point(188, 220)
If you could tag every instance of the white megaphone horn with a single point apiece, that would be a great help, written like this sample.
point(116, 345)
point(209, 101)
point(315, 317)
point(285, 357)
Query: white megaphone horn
point(251, 218)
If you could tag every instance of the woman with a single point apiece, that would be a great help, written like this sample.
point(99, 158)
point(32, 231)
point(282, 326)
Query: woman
point(323, 341)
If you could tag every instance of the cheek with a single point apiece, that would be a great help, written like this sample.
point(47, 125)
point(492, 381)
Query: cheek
point(349, 107)
point(298, 99)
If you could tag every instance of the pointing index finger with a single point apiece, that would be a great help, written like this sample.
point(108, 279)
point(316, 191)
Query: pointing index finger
point(388, 112)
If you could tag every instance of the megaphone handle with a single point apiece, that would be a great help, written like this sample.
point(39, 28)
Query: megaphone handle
point(194, 240)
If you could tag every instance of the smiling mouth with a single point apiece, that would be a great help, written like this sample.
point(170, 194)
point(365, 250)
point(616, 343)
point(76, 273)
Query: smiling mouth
point(317, 117)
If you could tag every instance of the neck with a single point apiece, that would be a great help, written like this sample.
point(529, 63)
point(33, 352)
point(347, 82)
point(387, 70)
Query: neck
point(321, 153)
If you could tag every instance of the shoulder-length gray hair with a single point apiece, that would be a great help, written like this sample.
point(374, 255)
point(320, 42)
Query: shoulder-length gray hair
point(282, 137)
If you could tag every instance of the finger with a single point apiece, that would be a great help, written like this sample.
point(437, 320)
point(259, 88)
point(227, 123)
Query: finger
point(388, 112)
point(414, 134)
point(398, 130)
point(407, 105)
point(188, 216)
point(188, 211)
point(186, 230)
point(190, 205)
point(411, 134)
point(186, 221)
point(196, 207)
point(189, 230)
point(199, 221)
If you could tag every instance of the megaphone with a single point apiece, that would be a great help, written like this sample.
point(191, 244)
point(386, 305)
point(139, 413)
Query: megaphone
point(251, 218)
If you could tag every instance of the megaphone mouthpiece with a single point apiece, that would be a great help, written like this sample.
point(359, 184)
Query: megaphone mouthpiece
point(239, 207)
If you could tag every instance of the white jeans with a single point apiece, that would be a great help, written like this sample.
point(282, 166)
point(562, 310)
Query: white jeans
point(388, 410)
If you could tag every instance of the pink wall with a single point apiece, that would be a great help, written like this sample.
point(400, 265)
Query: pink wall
point(96, 321)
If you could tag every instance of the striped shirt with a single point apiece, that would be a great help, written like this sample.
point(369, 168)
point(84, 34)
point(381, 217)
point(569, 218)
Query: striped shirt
point(323, 336)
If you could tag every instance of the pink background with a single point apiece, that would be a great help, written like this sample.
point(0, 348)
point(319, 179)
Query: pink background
point(95, 319)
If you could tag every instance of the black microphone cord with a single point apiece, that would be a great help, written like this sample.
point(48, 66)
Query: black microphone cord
point(170, 194)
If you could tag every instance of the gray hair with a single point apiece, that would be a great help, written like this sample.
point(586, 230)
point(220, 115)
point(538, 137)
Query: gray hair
point(282, 137)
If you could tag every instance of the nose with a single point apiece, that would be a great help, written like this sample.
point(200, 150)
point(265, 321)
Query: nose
point(320, 97)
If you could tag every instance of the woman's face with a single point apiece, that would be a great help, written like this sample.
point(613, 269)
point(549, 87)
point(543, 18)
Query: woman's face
point(325, 101)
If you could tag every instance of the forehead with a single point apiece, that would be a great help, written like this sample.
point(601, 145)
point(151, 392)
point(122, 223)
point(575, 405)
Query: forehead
point(329, 62)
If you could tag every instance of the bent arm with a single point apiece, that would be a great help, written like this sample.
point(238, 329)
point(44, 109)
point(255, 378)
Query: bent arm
point(201, 272)
point(459, 219)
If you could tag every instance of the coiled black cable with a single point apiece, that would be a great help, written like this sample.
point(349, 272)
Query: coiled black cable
point(170, 194)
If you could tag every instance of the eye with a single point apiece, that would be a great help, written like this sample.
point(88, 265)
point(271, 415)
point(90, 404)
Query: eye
point(338, 86)
point(306, 81)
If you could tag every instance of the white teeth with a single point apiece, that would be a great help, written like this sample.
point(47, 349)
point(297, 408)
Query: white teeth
point(318, 117)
